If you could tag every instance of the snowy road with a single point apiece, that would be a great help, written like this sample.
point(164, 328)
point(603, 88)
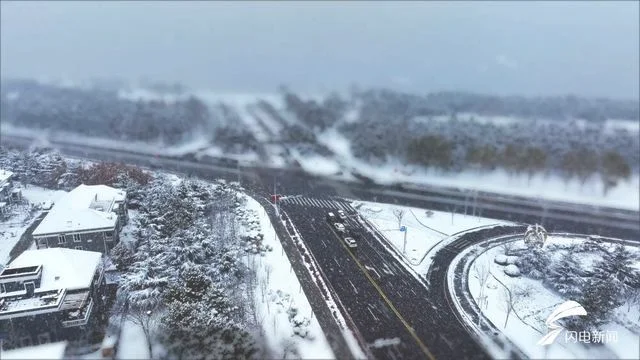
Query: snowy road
point(382, 297)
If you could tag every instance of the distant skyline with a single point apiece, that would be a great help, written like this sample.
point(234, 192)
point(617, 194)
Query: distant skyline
point(524, 48)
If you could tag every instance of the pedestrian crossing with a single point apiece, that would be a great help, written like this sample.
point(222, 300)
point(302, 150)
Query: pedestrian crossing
point(317, 202)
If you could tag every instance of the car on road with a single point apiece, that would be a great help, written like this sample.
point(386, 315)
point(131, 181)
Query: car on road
point(339, 227)
point(331, 217)
point(342, 215)
point(351, 243)
point(276, 197)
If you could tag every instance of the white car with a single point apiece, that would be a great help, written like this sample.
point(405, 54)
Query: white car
point(339, 227)
point(351, 243)
point(342, 215)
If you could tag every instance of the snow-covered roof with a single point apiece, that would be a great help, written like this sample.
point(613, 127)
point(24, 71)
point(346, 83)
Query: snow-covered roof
point(4, 175)
point(61, 268)
point(83, 208)
point(52, 351)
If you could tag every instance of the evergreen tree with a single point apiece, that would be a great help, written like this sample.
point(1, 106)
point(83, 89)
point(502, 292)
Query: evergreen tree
point(564, 278)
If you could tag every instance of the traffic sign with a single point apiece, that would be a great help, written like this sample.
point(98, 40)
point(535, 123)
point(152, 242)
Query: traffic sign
point(403, 228)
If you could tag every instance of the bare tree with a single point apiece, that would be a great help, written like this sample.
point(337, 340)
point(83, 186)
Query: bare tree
point(507, 248)
point(399, 214)
point(147, 319)
point(510, 296)
point(481, 272)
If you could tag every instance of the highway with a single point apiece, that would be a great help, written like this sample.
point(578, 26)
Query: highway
point(395, 315)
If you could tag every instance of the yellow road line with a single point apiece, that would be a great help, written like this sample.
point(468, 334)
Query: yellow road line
point(422, 346)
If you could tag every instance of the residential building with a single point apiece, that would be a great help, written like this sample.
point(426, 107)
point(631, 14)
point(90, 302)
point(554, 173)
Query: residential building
point(8, 193)
point(51, 351)
point(52, 295)
point(89, 217)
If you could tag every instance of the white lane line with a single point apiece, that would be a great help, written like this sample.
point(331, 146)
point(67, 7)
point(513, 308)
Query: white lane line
point(354, 287)
point(372, 314)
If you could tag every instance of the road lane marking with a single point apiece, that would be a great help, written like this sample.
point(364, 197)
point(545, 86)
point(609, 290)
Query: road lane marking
point(372, 314)
point(409, 328)
point(354, 287)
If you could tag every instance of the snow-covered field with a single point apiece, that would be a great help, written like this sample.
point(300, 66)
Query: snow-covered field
point(424, 228)
point(535, 302)
point(281, 303)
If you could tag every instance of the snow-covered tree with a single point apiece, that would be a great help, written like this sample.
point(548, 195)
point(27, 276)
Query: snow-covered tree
point(564, 277)
point(200, 328)
point(534, 263)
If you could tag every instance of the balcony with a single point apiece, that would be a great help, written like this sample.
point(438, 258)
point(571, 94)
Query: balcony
point(78, 317)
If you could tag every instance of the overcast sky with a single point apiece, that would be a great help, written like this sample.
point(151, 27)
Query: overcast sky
point(585, 48)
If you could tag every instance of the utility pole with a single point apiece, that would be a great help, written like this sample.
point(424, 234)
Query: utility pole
point(404, 246)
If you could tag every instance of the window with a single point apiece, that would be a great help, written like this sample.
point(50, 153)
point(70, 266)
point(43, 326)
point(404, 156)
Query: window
point(76, 238)
point(61, 239)
point(30, 287)
point(44, 338)
point(109, 235)
point(79, 248)
point(42, 243)
point(25, 341)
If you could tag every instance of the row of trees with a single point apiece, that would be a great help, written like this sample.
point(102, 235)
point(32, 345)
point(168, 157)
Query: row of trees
point(102, 113)
point(436, 151)
point(51, 170)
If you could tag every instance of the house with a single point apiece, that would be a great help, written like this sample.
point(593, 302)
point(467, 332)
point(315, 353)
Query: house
point(52, 351)
point(7, 193)
point(52, 295)
point(89, 217)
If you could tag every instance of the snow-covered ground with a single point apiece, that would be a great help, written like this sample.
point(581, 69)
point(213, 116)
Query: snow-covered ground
point(526, 324)
point(39, 195)
point(280, 301)
point(424, 228)
point(132, 344)
point(45, 351)
point(316, 164)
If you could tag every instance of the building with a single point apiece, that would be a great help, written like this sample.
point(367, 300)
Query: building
point(6, 185)
point(52, 295)
point(51, 351)
point(8, 194)
point(89, 217)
